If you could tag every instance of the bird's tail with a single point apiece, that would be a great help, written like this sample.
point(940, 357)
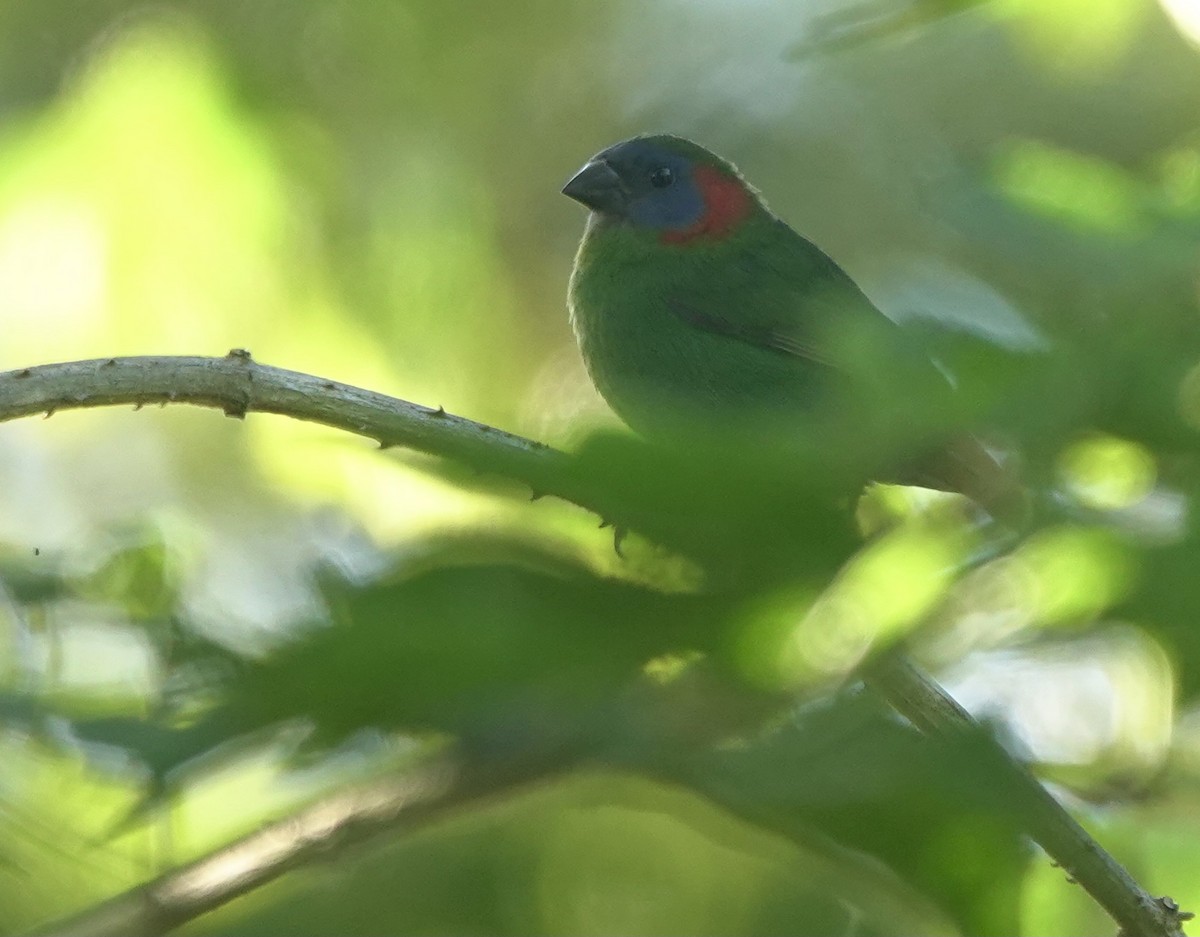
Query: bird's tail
point(964, 465)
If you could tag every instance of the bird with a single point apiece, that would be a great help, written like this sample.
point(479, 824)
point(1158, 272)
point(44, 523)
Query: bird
point(705, 319)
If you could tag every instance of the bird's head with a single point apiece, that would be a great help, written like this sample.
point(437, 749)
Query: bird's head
point(667, 186)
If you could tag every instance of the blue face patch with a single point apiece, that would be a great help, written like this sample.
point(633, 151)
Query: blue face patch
point(643, 168)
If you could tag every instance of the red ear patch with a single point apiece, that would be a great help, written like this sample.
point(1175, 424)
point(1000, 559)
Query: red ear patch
point(726, 202)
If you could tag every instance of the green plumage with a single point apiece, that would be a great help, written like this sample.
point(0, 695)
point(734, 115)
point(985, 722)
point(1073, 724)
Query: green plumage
point(697, 329)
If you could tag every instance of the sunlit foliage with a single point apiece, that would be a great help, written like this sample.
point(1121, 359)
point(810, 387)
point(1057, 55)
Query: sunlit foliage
point(209, 622)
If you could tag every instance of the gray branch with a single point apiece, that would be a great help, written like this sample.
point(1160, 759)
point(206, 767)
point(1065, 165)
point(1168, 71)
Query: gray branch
point(238, 385)
point(920, 699)
point(317, 834)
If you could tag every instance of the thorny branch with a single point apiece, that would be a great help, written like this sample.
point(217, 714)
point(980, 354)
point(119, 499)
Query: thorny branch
point(238, 385)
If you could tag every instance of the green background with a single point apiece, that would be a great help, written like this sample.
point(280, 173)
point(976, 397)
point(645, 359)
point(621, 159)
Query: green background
point(368, 191)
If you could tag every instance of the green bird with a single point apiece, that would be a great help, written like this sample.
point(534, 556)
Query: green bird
point(703, 318)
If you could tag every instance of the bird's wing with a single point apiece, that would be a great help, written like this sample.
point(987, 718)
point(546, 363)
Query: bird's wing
point(753, 333)
point(797, 297)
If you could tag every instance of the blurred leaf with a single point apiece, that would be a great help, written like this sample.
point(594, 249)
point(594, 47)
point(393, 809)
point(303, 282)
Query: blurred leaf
point(1108, 473)
point(862, 21)
point(30, 578)
point(1087, 192)
point(1165, 603)
point(849, 771)
point(596, 854)
point(1075, 36)
point(529, 647)
point(139, 574)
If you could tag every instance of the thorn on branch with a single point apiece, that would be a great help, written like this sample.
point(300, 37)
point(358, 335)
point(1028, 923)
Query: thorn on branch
point(137, 406)
point(1171, 906)
point(535, 495)
point(329, 385)
point(440, 411)
point(239, 354)
point(619, 534)
point(49, 413)
point(25, 372)
point(109, 363)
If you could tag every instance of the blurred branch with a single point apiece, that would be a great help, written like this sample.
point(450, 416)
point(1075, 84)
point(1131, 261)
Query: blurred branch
point(935, 712)
point(238, 385)
point(319, 833)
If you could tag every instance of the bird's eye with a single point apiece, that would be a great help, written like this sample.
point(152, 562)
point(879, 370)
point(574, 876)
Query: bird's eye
point(661, 177)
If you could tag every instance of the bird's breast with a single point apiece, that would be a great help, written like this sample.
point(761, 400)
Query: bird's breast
point(662, 375)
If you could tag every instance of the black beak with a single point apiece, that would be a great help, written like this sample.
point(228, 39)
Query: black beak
point(598, 186)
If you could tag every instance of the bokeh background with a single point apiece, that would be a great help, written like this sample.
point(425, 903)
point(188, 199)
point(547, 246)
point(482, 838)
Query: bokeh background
point(368, 191)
